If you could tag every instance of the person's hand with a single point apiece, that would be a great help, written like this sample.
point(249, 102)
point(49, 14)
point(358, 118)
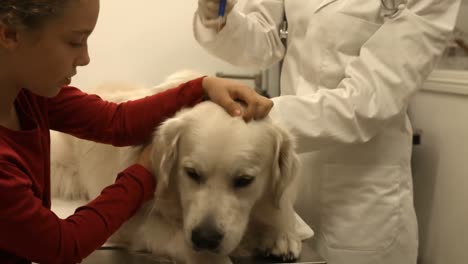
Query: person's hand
point(145, 158)
point(208, 11)
point(225, 93)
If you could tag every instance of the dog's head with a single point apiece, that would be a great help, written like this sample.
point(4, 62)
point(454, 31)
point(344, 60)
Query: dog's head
point(221, 167)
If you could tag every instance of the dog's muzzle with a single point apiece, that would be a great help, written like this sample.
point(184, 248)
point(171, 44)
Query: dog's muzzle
point(206, 236)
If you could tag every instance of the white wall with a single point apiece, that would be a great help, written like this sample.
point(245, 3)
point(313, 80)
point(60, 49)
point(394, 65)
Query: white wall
point(143, 41)
point(462, 20)
point(440, 168)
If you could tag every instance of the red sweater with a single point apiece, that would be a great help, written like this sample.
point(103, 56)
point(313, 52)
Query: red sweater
point(29, 231)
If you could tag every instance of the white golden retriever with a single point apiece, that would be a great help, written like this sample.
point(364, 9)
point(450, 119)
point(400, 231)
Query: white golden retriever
point(224, 187)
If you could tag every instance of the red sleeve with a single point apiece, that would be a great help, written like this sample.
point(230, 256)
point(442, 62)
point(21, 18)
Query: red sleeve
point(31, 231)
point(130, 123)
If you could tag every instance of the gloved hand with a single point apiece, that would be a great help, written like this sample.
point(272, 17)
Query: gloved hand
point(208, 11)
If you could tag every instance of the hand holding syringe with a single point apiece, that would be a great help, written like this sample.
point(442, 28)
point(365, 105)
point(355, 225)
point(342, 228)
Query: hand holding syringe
point(221, 14)
point(213, 13)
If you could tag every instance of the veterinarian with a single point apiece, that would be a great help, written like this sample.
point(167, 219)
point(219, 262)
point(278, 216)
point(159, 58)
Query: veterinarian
point(42, 42)
point(349, 68)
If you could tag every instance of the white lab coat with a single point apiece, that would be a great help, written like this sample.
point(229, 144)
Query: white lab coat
point(347, 76)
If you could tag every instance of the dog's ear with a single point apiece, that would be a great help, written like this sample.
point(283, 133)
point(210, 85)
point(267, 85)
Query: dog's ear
point(286, 165)
point(164, 151)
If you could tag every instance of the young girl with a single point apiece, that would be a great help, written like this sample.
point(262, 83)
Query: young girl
point(41, 44)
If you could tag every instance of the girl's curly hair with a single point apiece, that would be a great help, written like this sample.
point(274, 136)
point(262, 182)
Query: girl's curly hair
point(30, 13)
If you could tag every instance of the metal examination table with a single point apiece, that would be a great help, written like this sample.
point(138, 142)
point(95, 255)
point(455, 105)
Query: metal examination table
point(120, 256)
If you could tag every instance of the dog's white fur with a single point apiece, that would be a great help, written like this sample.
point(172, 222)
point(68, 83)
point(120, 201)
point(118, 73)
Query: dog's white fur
point(215, 173)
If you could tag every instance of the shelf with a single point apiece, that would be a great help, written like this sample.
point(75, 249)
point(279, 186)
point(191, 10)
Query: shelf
point(447, 81)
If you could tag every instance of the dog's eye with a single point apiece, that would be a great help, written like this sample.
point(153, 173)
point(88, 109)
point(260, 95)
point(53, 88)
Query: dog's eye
point(243, 181)
point(192, 173)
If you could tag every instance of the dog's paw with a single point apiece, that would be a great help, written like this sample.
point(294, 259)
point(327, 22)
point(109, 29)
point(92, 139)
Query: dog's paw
point(283, 246)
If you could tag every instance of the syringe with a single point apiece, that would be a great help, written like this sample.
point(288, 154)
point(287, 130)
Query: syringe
point(221, 13)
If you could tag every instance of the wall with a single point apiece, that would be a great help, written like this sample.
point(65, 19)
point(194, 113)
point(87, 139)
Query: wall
point(144, 41)
point(462, 20)
point(440, 167)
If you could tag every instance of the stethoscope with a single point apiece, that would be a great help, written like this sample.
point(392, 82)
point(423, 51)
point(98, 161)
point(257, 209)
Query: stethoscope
point(393, 7)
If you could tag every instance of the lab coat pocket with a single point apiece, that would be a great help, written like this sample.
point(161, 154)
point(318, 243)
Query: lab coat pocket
point(342, 37)
point(323, 4)
point(349, 33)
point(369, 11)
point(360, 206)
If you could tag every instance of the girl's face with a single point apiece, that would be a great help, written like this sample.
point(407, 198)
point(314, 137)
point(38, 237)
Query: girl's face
point(46, 58)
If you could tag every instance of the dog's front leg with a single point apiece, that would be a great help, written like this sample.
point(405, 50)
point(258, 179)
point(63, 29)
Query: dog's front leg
point(278, 238)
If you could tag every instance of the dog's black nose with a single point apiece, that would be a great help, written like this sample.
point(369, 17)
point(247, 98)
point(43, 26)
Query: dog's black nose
point(206, 237)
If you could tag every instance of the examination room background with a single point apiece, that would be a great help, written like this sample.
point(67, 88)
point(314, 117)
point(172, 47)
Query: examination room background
point(143, 41)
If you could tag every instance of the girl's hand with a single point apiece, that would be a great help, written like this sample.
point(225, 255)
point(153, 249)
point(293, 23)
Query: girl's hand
point(226, 93)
